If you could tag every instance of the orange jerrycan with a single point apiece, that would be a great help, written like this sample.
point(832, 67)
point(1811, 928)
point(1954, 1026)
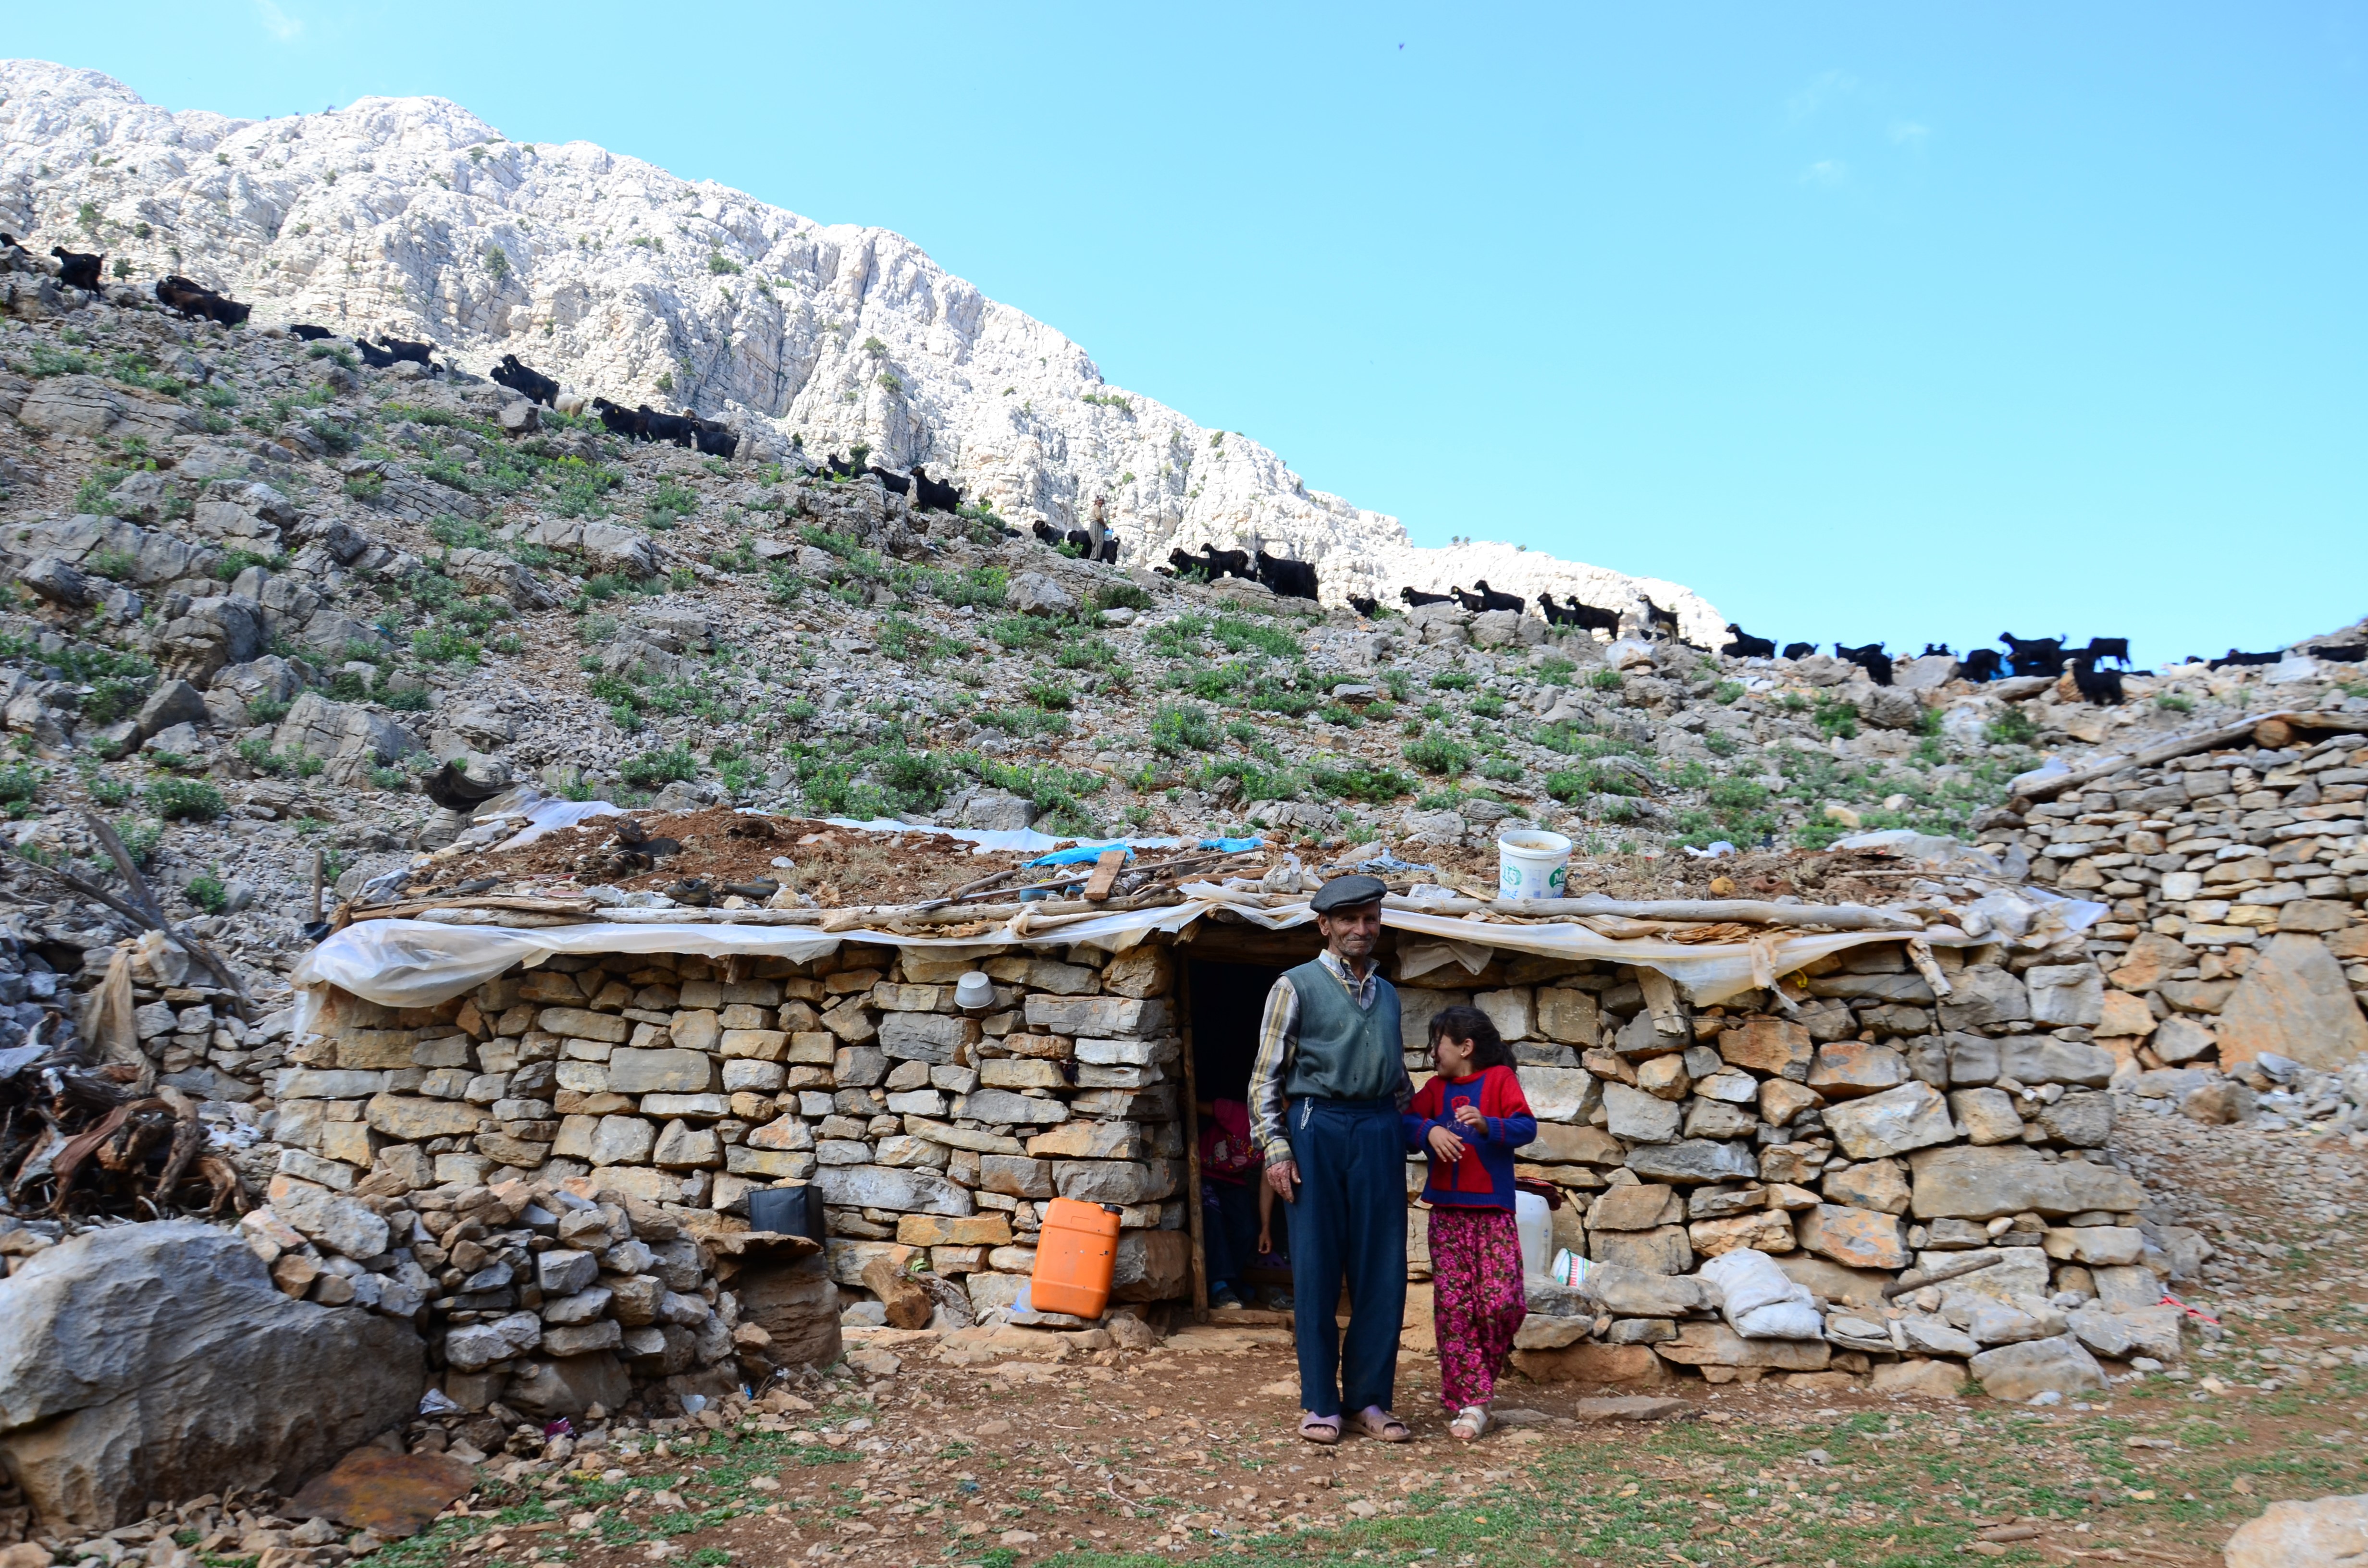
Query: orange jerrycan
point(1075, 1253)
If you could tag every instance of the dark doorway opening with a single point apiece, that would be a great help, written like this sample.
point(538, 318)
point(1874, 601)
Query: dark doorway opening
point(1228, 1001)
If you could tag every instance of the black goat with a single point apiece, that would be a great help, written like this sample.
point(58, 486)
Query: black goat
point(1659, 621)
point(1213, 564)
point(1935, 651)
point(2114, 648)
point(713, 440)
point(2234, 657)
point(1981, 665)
point(934, 495)
point(616, 418)
point(415, 352)
point(1363, 606)
point(375, 357)
point(1491, 599)
point(2034, 656)
point(1051, 536)
point(1415, 596)
point(78, 268)
point(1472, 602)
point(308, 332)
point(2101, 686)
point(1108, 553)
point(1799, 650)
point(1747, 646)
point(530, 385)
point(1292, 579)
point(897, 484)
point(674, 427)
point(2344, 655)
point(1586, 617)
point(1868, 658)
point(195, 299)
point(838, 467)
point(1080, 542)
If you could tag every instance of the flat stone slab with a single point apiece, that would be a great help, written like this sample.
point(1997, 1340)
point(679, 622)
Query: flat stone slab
point(1633, 1407)
point(389, 1494)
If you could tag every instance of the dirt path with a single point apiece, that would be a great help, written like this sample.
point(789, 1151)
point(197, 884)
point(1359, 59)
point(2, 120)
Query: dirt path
point(1185, 1453)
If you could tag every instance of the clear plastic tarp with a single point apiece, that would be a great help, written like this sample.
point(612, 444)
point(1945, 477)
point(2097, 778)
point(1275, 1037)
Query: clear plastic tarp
point(417, 963)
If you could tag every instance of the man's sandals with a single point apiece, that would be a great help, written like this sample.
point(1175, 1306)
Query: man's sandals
point(1373, 1422)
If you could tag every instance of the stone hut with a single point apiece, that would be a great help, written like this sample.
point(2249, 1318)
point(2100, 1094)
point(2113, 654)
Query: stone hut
point(1856, 1103)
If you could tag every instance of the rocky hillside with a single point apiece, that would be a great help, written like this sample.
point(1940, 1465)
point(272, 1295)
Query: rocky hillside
point(260, 590)
point(411, 216)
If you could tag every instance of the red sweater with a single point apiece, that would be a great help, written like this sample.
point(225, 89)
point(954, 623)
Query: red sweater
point(1484, 1178)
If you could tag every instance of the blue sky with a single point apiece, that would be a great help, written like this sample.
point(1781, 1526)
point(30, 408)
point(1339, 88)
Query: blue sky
point(1868, 321)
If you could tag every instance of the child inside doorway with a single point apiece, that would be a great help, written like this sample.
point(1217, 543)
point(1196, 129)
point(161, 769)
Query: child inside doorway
point(1238, 1208)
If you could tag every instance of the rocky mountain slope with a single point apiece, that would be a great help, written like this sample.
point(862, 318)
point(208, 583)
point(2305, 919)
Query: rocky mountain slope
point(411, 216)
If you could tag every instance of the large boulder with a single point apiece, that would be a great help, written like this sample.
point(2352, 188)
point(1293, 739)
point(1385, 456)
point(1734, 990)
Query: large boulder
point(86, 405)
point(2293, 1002)
point(151, 1363)
point(2329, 1531)
point(349, 737)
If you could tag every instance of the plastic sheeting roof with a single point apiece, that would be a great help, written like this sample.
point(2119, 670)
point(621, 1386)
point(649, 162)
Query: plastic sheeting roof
point(417, 963)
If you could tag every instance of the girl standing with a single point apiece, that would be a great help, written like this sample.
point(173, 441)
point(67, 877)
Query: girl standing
point(1469, 1118)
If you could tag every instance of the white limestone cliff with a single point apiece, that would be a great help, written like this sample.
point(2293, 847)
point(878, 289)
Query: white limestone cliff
point(413, 217)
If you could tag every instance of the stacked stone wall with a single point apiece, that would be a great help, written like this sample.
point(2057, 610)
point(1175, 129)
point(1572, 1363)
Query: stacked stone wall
point(684, 1083)
point(2235, 880)
point(1870, 1128)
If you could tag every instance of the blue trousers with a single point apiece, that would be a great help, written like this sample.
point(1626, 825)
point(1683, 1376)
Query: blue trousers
point(1231, 1229)
point(1348, 1223)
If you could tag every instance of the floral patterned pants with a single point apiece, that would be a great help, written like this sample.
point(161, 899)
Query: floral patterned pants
point(1475, 1281)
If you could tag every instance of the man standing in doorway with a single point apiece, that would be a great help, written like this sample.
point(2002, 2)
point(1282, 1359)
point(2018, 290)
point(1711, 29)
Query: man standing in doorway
point(1326, 1091)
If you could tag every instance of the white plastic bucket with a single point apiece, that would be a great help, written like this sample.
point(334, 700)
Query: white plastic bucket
point(1533, 1223)
point(1531, 863)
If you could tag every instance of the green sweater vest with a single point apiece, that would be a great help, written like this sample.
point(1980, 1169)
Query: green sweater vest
point(1345, 1052)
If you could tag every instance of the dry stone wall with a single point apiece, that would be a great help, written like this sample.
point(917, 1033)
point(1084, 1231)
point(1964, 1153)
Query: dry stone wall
point(1870, 1129)
point(683, 1083)
point(2237, 939)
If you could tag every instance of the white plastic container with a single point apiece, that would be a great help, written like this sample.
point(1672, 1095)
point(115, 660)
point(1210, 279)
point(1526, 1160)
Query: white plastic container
point(1534, 1220)
point(1531, 863)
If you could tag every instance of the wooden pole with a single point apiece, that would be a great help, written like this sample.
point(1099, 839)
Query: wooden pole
point(1195, 1221)
point(316, 885)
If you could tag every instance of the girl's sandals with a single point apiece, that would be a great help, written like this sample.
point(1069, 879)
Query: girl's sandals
point(1322, 1430)
point(1376, 1422)
point(1469, 1423)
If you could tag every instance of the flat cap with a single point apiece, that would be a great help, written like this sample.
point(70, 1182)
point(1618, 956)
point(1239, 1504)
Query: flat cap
point(1347, 892)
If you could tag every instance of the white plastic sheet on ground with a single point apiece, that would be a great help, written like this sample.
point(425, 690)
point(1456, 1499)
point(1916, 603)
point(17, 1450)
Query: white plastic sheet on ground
point(417, 963)
point(548, 816)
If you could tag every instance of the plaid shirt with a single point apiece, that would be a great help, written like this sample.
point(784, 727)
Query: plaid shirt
point(1279, 1046)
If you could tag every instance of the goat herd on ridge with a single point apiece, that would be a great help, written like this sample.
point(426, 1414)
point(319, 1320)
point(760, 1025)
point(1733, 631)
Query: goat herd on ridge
point(2041, 656)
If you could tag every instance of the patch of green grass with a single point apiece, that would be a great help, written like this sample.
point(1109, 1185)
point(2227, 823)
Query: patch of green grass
point(1179, 727)
point(1024, 633)
point(1238, 636)
point(115, 566)
point(1605, 681)
point(1836, 717)
point(2015, 727)
point(186, 799)
point(1452, 680)
point(1362, 782)
point(208, 893)
point(444, 645)
point(1121, 595)
point(1436, 753)
point(653, 768)
point(907, 639)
